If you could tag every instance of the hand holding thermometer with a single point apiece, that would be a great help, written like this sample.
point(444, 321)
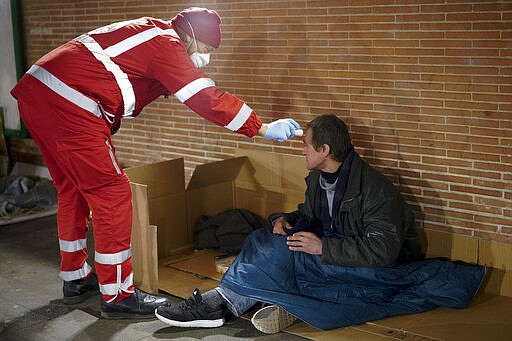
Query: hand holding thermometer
point(281, 130)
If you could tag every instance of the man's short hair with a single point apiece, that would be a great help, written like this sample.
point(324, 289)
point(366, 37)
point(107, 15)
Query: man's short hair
point(331, 130)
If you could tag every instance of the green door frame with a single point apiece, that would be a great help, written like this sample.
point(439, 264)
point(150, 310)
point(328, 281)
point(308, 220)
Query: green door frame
point(19, 57)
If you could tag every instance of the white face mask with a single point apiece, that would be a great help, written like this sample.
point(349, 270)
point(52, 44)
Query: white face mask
point(200, 59)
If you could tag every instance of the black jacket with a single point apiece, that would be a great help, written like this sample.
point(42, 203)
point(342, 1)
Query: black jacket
point(376, 224)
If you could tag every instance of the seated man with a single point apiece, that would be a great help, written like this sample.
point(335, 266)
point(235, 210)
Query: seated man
point(348, 255)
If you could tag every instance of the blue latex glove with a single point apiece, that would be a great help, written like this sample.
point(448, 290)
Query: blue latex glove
point(281, 130)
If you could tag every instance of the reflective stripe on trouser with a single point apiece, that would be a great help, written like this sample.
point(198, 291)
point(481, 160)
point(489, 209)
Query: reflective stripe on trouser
point(124, 280)
point(74, 255)
point(78, 152)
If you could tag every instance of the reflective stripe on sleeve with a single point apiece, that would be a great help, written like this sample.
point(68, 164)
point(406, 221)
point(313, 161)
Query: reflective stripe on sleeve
point(243, 115)
point(193, 88)
point(72, 246)
point(76, 274)
point(64, 90)
point(112, 258)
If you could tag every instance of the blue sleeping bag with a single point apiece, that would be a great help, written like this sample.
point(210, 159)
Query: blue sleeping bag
point(330, 296)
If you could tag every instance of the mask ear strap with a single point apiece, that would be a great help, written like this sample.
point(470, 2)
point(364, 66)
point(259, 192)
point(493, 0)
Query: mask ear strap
point(193, 35)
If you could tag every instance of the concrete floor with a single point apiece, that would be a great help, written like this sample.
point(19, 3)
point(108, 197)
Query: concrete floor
point(31, 299)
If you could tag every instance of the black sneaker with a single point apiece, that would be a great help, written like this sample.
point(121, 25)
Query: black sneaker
point(140, 305)
point(193, 312)
point(81, 289)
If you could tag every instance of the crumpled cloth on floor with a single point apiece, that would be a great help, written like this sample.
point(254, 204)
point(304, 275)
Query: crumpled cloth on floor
point(20, 192)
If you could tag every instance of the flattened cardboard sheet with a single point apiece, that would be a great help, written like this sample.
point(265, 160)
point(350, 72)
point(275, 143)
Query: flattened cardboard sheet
point(488, 317)
point(182, 283)
point(201, 263)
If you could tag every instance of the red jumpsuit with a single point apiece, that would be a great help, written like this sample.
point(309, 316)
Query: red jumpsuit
point(73, 99)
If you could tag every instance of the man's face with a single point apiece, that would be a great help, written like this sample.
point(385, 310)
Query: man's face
point(314, 159)
point(198, 46)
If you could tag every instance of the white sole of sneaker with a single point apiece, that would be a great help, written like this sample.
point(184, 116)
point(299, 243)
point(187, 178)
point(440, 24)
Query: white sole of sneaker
point(272, 319)
point(191, 324)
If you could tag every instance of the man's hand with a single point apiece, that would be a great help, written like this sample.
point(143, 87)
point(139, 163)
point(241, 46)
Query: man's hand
point(280, 225)
point(305, 242)
point(279, 130)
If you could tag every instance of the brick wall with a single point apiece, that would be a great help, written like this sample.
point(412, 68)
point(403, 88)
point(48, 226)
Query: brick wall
point(424, 85)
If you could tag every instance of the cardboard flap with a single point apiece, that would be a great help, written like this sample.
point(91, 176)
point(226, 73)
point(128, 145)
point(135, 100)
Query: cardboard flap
point(166, 202)
point(162, 178)
point(144, 242)
point(272, 171)
point(216, 172)
point(270, 182)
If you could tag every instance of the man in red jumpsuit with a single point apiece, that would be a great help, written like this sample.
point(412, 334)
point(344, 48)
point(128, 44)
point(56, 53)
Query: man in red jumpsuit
point(72, 100)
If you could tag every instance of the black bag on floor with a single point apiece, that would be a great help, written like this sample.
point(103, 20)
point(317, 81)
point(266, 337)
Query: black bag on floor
point(227, 230)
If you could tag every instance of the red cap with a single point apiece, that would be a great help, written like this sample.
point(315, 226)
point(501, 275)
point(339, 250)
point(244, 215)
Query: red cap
point(205, 22)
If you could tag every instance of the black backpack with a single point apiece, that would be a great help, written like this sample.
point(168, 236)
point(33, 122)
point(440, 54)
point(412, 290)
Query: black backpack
point(227, 230)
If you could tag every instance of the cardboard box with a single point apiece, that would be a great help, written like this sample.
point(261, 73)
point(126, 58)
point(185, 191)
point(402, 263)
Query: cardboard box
point(253, 180)
point(165, 214)
point(164, 187)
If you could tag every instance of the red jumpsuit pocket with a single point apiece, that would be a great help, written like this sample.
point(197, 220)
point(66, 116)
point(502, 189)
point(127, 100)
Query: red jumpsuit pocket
point(90, 161)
